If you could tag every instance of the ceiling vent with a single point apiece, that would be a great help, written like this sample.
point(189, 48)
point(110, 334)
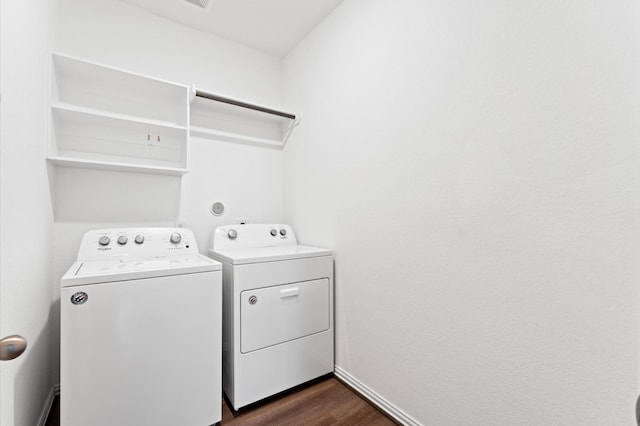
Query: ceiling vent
point(200, 3)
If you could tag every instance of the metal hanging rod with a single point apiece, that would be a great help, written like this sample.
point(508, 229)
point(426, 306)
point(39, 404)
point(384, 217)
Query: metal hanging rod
point(211, 96)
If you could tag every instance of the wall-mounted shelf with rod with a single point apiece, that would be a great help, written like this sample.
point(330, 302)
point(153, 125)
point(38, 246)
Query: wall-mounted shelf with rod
point(106, 118)
point(223, 118)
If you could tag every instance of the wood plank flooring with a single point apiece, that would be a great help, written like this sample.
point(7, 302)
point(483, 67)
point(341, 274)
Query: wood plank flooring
point(324, 401)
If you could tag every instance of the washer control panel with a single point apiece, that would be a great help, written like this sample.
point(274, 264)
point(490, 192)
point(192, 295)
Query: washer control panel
point(253, 235)
point(136, 242)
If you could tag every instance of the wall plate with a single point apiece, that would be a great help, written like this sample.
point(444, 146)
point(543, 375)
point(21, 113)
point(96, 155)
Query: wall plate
point(217, 208)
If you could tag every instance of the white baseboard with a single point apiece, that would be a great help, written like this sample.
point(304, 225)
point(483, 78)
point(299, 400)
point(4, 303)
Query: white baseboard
point(365, 391)
point(375, 399)
point(55, 390)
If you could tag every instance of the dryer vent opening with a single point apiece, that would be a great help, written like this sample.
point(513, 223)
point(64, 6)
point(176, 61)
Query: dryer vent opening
point(201, 3)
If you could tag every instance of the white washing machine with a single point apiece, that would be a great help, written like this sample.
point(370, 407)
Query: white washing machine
point(277, 311)
point(141, 331)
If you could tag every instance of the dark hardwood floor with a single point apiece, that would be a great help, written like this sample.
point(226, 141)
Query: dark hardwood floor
point(324, 401)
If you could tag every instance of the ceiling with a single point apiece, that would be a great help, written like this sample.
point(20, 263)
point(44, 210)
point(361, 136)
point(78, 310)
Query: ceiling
point(272, 26)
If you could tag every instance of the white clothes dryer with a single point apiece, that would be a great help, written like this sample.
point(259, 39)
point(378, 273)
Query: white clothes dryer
point(141, 315)
point(278, 329)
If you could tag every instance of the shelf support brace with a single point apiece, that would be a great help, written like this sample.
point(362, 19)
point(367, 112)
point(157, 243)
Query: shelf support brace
point(290, 127)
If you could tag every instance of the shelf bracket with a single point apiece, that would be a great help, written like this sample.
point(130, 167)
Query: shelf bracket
point(290, 127)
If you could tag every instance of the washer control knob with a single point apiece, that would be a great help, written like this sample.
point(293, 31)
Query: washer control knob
point(139, 239)
point(274, 232)
point(232, 234)
point(175, 238)
point(104, 241)
point(122, 240)
point(283, 232)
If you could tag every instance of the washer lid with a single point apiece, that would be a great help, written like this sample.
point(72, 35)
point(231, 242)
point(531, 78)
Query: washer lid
point(241, 256)
point(103, 271)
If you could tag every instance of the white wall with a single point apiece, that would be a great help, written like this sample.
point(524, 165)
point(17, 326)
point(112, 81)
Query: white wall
point(248, 180)
point(26, 218)
point(475, 166)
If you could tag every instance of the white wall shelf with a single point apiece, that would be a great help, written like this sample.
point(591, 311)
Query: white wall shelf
point(115, 166)
point(235, 137)
point(222, 118)
point(106, 118)
point(61, 106)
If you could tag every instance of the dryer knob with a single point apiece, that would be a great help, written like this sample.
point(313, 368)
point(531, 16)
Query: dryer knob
point(104, 241)
point(175, 238)
point(283, 232)
point(139, 239)
point(274, 232)
point(232, 234)
point(122, 240)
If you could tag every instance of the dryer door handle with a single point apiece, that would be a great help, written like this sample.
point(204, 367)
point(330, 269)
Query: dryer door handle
point(289, 292)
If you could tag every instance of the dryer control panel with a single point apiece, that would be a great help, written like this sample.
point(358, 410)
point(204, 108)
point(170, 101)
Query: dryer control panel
point(123, 243)
point(253, 235)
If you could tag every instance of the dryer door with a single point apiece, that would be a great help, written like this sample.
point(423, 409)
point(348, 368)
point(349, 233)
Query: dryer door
point(274, 315)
